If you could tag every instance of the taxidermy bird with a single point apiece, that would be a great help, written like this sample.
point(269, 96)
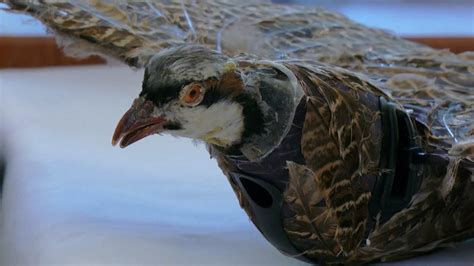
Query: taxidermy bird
point(344, 144)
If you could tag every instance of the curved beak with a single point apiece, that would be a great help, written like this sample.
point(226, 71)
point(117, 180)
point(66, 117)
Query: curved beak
point(137, 123)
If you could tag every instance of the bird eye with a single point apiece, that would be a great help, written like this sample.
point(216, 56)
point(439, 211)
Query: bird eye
point(192, 94)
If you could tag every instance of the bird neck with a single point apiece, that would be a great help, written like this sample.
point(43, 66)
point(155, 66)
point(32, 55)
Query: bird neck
point(269, 104)
point(253, 117)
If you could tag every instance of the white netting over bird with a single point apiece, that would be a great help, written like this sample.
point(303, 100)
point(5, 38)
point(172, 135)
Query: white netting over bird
point(336, 108)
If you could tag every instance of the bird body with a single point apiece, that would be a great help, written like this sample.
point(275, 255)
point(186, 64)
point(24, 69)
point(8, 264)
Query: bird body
point(343, 144)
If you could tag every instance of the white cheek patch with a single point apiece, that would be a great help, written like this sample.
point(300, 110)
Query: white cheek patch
point(222, 121)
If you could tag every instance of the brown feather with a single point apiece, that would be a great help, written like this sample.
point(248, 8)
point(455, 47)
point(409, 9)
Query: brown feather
point(342, 129)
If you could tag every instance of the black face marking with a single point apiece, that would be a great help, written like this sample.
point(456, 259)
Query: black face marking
point(159, 93)
point(172, 126)
point(211, 97)
point(146, 78)
point(253, 116)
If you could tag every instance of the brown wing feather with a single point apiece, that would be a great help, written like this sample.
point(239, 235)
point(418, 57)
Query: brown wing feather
point(132, 31)
point(437, 216)
point(338, 143)
point(312, 228)
point(340, 148)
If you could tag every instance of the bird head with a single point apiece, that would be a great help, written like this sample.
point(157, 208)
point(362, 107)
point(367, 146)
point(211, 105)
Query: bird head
point(192, 91)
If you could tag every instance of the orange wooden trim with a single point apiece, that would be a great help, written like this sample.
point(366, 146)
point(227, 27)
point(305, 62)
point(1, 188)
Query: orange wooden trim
point(35, 52)
point(454, 44)
point(18, 51)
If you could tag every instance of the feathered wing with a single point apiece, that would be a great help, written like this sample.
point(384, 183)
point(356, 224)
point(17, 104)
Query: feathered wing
point(313, 227)
point(436, 86)
point(439, 214)
point(339, 144)
point(132, 31)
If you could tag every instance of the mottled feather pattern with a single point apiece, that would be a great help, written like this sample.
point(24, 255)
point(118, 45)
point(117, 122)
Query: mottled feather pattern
point(343, 67)
point(133, 31)
point(432, 220)
point(339, 151)
point(437, 87)
point(312, 228)
point(432, 211)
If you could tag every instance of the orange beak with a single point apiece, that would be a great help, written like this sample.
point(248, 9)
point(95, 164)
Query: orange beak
point(137, 123)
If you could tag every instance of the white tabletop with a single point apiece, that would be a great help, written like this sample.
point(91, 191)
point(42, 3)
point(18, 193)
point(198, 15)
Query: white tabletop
point(71, 198)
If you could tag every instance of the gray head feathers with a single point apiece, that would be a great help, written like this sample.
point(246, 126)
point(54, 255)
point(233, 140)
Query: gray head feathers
point(173, 65)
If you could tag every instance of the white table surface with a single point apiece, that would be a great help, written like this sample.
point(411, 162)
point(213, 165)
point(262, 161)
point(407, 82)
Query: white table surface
point(71, 198)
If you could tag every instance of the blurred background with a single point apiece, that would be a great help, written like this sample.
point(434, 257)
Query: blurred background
point(71, 198)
